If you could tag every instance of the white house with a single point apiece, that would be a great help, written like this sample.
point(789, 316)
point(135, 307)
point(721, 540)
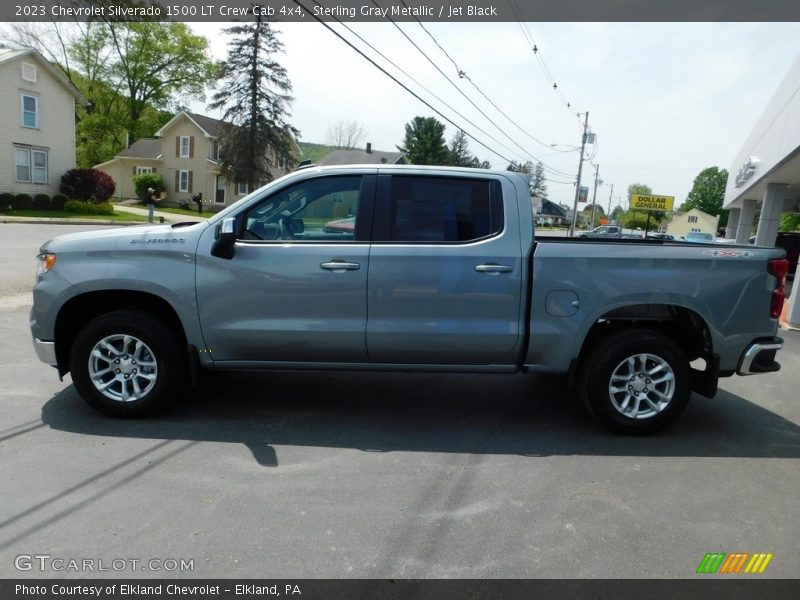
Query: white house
point(37, 123)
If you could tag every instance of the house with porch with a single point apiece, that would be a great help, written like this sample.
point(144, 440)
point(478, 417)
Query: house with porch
point(187, 153)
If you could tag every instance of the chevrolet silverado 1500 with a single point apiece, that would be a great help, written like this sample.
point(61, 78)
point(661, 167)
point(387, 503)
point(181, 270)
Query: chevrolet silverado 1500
point(403, 268)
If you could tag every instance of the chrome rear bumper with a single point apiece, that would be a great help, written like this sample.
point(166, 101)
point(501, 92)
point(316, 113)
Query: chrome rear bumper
point(760, 357)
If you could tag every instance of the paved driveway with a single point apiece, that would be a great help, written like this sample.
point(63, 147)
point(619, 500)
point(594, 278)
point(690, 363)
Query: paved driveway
point(373, 475)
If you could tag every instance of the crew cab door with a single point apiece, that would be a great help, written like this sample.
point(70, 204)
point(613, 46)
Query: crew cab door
point(295, 288)
point(445, 273)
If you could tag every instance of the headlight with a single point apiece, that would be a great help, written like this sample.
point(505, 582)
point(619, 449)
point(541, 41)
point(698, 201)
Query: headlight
point(45, 262)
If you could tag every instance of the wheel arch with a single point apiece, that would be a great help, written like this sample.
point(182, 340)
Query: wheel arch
point(684, 326)
point(83, 308)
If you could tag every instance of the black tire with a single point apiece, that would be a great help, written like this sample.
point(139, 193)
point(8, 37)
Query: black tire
point(650, 350)
point(156, 377)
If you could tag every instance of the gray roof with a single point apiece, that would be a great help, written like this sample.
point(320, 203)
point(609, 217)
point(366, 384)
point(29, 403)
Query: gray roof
point(212, 126)
point(143, 148)
point(362, 157)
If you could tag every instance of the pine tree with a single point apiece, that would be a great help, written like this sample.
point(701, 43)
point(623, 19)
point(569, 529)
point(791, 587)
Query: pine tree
point(424, 142)
point(254, 93)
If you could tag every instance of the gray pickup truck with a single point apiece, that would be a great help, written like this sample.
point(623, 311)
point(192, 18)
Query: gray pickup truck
point(403, 269)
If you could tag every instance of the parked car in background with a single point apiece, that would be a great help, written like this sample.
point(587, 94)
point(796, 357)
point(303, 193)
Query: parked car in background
point(698, 237)
point(655, 235)
point(613, 231)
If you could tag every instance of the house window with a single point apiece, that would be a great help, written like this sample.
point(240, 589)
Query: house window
point(141, 170)
point(695, 228)
point(337, 198)
point(29, 72)
point(185, 146)
point(241, 188)
point(31, 165)
point(183, 181)
point(30, 110)
point(692, 219)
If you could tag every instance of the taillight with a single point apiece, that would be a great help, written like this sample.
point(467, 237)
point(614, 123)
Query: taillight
point(778, 267)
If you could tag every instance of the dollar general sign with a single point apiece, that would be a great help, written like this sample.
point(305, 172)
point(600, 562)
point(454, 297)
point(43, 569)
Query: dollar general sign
point(650, 202)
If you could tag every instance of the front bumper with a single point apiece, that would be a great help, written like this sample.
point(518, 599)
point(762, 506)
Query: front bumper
point(46, 351)
point(759, 357)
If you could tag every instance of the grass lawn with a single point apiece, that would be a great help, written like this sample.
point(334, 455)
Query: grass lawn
point(63, 214)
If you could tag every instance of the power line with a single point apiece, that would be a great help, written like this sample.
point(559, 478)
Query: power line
point(463, 75)
point(468, 99)
point(396, 66)
point(397, 81)
point(539, 58)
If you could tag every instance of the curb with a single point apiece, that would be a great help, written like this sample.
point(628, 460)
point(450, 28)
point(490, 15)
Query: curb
point(43, 220)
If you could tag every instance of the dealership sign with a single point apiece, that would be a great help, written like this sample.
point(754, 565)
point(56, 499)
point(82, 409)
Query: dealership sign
point(746, 172)
point(651, 202)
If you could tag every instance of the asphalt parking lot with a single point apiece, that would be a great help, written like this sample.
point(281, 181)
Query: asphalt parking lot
point(312, 475)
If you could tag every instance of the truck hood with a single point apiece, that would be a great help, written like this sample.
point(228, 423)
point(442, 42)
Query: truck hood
point(175, 235)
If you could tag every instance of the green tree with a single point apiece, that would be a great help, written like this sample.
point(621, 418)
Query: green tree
point(460, 155)
point(520, 167)
point(615, 214)
point(255, 95)
point(538, 181)
point(144, 181)
point(708, 192)
point(789, 222)
point(634, 219)
point(424, 142)
point(131, 73)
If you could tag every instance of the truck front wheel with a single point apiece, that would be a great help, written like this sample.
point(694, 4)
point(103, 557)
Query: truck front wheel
point(127, 363)
point(635, 381)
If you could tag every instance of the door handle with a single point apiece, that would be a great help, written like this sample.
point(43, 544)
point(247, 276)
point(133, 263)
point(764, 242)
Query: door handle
point(340, 265)
point(493, 268)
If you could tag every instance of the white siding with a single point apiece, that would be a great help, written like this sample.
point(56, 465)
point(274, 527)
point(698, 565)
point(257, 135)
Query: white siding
point(55, 131)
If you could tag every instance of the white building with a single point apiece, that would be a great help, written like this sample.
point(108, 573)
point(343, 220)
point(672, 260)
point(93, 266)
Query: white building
point(765, 176)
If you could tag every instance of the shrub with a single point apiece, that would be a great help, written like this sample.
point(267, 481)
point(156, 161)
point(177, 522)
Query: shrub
point(57, 202)
point(41, 202)
point(22, 202)
point(6, 201)
point(90, 185)
point(89, 208)
point(148, 180)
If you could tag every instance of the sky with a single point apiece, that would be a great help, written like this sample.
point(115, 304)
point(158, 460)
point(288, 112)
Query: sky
point(665, 100)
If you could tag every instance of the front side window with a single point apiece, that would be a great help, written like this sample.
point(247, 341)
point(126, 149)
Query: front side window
point(30, 111)
point(308, 212)
point(444, 209)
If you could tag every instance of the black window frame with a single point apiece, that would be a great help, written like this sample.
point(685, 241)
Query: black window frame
point(364, 217)
point(384, 210)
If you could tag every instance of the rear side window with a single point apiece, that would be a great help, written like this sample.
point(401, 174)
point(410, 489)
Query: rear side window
point(445, 209)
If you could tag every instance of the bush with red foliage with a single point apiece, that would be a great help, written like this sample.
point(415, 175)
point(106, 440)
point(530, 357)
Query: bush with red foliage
point(90, 185)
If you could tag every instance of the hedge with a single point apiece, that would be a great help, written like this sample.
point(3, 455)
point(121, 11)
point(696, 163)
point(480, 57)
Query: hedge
point(6, 201)
point(89, 208)
point(22, 202)
point(58, 201)
point(41, 202)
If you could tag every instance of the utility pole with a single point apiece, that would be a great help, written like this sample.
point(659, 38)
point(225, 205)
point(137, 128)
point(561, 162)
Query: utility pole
point(578, 184)
point(609, 202)
point(594, 195)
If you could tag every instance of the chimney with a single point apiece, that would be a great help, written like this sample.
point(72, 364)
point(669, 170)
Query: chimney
point(369, 147)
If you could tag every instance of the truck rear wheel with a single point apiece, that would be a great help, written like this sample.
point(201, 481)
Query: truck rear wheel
point(127, 363)
point(635, 381)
